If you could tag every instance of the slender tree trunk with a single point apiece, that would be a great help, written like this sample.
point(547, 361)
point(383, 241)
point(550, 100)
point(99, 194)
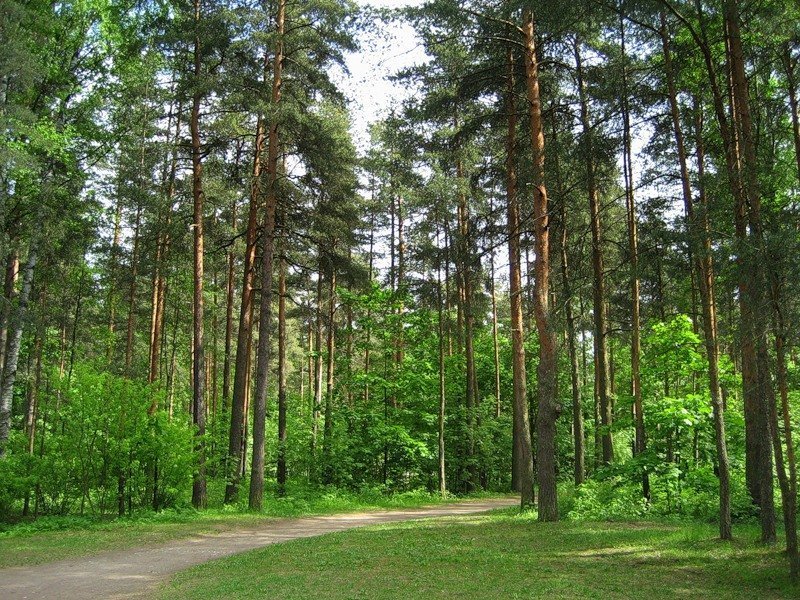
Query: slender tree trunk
point(442, 394)
point(112, 273)
point(198, 399)
point(32, 412)
point(547, 372)
point(600, 315)
point(577, 403)
point(753, 295)
point(788, 484)
point(700, 240)
point(162, 246)
point(9, 290)
point(640, 444)
point(16, 328)
point(495, 343)
point(244, 336)
point(281, 472)
point(465, 279)
point(317, 407)
point(522, 467)
point(268, 235)
point(327, 434)
point(131, 324)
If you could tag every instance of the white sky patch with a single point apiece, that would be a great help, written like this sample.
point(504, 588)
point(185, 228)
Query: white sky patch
point(383, 53)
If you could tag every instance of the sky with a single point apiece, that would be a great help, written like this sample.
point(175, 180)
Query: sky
point(370, 93)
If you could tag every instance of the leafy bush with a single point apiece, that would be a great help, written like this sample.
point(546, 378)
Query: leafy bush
point(612, 499)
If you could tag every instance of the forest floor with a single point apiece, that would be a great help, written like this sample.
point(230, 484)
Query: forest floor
point(501, 555)
point(137, 571)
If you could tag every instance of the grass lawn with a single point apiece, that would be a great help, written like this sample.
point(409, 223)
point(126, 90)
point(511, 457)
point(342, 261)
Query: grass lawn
point(502, 555)
point(54, 538)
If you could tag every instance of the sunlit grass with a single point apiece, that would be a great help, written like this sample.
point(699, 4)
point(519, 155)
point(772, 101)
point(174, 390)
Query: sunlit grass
point(503, 555)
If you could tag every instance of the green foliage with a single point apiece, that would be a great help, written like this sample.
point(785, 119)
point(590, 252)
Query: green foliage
point(98, 436)
point(502, 555)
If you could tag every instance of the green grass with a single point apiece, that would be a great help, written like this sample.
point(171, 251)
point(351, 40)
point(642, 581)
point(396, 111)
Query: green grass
point(54, 538)
point(502, 555)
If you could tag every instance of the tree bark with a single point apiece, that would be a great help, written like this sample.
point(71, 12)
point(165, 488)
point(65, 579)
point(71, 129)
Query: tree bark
point(327, 433)
point(14, 345)
point(495, 342)
point(268, 238)
point(442, 394)
point(753, 295)
point(198, 398)
point(547, 372)
point(579, 443)
point(281, 467)
point(9, 290)
point(131, 324)
point(598, 288)
point(700, 240)
point(640, 444)
point(244, 336)
point(522, 466)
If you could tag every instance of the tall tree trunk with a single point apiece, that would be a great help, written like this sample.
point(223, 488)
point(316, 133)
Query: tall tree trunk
point(599, 294)
point(10, 284)
point(230, 284)
point(788, 484)
point(700, 240)
point(198, 398)
point(281, 468)
point(131, 324)
point(244, 336)
point(577, 403)
point(113, 266)
point(547, 371)
point(317, 406)
point(753, 296)
point(327, 434)
point(162, 247)
point(495, 342)
point(522, 463)
point(465, 277)
point(16, 328)
point(442, 394)
point(640, 444)
point(268, 236)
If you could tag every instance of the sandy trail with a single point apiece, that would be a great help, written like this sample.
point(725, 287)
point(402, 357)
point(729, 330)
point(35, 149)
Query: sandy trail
point(136, 572)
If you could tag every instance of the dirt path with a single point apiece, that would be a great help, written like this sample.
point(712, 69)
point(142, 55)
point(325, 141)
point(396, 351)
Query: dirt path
point(135, 573)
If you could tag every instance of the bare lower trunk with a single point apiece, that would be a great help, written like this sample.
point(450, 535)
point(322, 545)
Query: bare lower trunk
point(244, 337)
point(522, 452)
point(753, 294)
point(599, 295)
point(9, 290)
point(327, 434)
point(788, 483)
point(577, 403)
point(281, 468)
point(547, 372)
point(131, 324)
point(640, 444)
point(700, 241)
point(14, 344)
point(268, 235)
point(198, 398)
point(442, 395)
